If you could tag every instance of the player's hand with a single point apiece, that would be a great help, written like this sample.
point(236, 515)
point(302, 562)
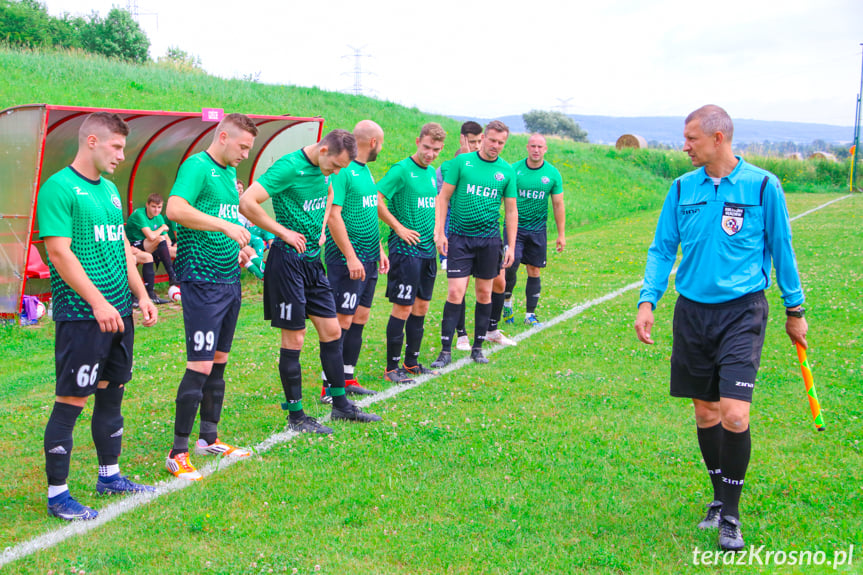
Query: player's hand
point(238, 233)
point(796, 328)
point(561, 243)
point(109, 319)
point(295, 240)
point(356, 269)
point(508, 258)
point(410, 237)
point(644, 322)
point(384, 266)
point(149, 312)
point(442, 244)
point(463, 144)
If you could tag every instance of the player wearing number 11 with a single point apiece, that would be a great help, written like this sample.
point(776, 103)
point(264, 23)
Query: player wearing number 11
point(205, 205)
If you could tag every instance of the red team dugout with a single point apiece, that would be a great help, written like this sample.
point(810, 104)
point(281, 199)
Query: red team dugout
point(37, 140)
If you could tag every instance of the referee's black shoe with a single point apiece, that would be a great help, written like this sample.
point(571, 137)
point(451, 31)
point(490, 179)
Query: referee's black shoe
point(477, 356)
point(443, 359)
point(353, 413)
point(730, 537)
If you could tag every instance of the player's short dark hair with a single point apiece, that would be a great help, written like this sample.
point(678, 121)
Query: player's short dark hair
point(102, 120)
point(497, 126)
point(434, 130)
point(338, 141)
point(240, 121)
point(472, 128)
point(155, 199)
point(713, 119)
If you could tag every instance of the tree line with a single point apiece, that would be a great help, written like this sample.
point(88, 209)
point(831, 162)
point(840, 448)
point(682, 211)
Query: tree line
point(27, 24)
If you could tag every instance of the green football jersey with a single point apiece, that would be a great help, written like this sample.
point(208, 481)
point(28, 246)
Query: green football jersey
point(91, 214)
point(204, 256)
point(139, 220)
point(411, 192)
point(299, 193)
point(535, 186)
point(480, 187)
point(355, 191)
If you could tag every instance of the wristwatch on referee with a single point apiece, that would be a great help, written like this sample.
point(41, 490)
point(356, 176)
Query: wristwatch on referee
point(799, 312)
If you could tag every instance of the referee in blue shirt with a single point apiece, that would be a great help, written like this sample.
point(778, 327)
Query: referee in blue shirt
point(731, 222)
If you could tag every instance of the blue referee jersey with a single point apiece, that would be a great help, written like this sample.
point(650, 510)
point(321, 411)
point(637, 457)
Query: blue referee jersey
point(728, 236)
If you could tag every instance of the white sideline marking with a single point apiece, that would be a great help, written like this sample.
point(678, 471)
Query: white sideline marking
point(130, 502)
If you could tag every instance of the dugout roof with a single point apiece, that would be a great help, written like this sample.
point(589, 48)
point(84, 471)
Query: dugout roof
point(37, 140)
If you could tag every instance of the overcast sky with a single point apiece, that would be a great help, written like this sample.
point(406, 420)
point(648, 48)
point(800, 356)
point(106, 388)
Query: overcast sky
point(789, 60)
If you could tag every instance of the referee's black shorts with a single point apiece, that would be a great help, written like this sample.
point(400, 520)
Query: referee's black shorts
point(717, 347)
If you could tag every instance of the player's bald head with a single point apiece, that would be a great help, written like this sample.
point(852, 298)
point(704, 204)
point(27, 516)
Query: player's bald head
point(536, 139)
point(365, 130)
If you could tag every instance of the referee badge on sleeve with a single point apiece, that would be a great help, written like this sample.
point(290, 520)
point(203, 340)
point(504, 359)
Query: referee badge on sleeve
point(732, 220)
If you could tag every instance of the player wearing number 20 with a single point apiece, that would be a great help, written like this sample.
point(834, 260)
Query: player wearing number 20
point(205, 205)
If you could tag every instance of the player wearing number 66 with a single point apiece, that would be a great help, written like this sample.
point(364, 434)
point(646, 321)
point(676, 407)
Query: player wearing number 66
point(92, 268)
point(205, 206)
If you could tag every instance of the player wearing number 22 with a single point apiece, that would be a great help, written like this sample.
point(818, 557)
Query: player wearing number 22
point(92, 268)
point(205, 206)
point(295, 284)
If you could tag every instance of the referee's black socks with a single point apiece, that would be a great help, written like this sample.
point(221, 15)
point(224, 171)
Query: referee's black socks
point(736, 448)
point(710, 442)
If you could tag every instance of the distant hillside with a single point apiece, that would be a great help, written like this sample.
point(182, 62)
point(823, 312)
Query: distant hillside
point(668, 130)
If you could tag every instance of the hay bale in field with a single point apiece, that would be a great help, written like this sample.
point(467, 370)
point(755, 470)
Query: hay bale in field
point(794, 156)
point(631, 141)
point(823, 156)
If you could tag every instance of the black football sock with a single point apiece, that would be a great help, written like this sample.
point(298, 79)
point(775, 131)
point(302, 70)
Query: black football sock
point(58, 442)
point(531, 294)
point(736, 448)
point(460, 327)
point(351, 345)
point(188, 399)
point(331, 362)
point(106, 425)
point(414, 336)
point(395, 339)
point(162, 253)
point(148, 274)
point(496, 310)
point(291, 375)
point(211, 403)
point(447, 324)
point(511, 276)
point(710, 442)
point(481, 318)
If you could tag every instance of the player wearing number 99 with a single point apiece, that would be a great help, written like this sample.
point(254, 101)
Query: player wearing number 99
point(295, 285)
point(406, 203)
point(92, 268)
point(205, 206)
